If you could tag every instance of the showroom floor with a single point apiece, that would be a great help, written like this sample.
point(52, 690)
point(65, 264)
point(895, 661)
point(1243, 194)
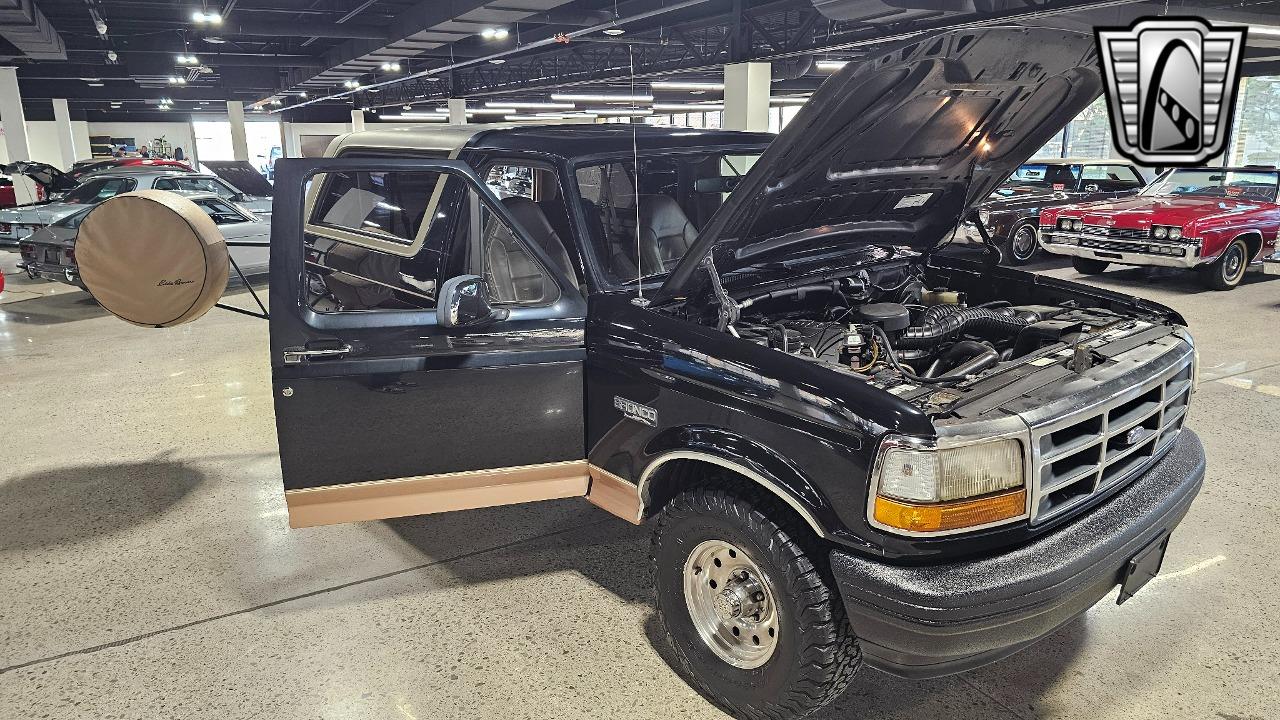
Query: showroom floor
point(147, 570)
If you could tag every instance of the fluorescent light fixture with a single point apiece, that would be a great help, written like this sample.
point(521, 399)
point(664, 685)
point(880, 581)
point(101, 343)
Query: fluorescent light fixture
point(432, 117)
point(563, 115)
point(490, 111)
point(830, 65)
point(96, 84)
point(495, 33)
point(212, 18)
point(497, 61)
point(617, 111)
point(615, 31)
point(788, 100)
point(187, 60)
point(548, 116)
point(687, 107)
point(569, 97)
point(681, 85)
point(442, 109)
point(531, 105)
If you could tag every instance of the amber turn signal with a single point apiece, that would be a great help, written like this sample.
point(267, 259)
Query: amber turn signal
point(936, 517)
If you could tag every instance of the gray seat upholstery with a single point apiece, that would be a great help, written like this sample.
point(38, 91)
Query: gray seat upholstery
point(665, 233)
point(512, 273)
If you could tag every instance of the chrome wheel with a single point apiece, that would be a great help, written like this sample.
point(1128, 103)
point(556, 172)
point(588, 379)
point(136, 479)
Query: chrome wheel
point(1024, 243)
point(731, 604)
point(1233, 263)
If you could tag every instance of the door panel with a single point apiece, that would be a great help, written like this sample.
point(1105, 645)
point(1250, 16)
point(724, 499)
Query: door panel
point(380, 412)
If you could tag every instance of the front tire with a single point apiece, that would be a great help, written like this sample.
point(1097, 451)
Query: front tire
point(1023, 244)
point(1227, 271)
point(747, 604)
point(1089, 266)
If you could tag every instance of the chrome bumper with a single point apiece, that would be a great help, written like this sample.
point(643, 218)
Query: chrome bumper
point(1271, 265)
point(1122, 252)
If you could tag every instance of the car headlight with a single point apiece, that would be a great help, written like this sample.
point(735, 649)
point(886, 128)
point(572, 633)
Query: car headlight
point(1077, 224)
point(1064, 223)
point(1159, 232)
point(929, 490)
point(1175, 233)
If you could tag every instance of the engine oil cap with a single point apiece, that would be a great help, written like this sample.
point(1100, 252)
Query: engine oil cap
point(890, 317)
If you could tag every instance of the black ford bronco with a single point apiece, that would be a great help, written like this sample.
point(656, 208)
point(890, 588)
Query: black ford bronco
point(852, 450)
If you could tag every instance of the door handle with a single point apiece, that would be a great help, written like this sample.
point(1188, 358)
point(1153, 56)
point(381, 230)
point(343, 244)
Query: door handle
point(295, 355)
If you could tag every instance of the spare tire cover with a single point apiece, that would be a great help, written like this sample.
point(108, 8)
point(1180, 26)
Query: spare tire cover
point(152, 258)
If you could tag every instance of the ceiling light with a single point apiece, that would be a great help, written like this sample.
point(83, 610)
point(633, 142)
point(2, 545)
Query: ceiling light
point(97, 84)
point(830, 65)
point(788, 100)
point(187, 60)
point(615, 31)
point(602, 98)
point(390, 67)
point(211, 18)
point(417, 116)
point(497, 61)
point(681, 85)
point(617, 111)
point(531, 105)
point(275, 101)
point(491, 111)
point(351, 84)
point(494, 33)
point(101, 27)
point(302, 93)
point(686, 107)
point(406, 107)
point(214, 40)
point(112, 56)
point(548, 116)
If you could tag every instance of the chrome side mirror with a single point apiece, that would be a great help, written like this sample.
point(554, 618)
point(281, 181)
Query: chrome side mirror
point(463, 302)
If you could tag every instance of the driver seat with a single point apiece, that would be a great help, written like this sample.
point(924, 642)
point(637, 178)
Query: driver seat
point(666, 233)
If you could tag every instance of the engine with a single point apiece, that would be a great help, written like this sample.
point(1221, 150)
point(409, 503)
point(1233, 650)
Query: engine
point(901, 334)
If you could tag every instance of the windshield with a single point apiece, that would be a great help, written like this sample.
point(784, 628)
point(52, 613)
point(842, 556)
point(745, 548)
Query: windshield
point(95, 191)
point(1243, 184)
point(678, 194)
point(1045, 175)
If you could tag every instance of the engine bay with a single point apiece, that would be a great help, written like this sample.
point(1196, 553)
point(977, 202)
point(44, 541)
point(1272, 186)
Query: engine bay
point(915, 337)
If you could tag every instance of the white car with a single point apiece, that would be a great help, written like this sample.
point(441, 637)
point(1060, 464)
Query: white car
point(21, 222)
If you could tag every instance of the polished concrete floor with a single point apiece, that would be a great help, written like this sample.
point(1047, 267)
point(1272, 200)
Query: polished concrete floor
point(147, 571)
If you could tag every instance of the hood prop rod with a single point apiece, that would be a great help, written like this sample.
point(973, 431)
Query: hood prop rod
point(729, 310)
point(989, 245)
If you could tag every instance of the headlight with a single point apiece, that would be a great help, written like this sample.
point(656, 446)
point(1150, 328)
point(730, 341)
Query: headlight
point(1159, 232)
point(1175, 233)
point(924, 490)
point(1064, 223)
point(1077, 224)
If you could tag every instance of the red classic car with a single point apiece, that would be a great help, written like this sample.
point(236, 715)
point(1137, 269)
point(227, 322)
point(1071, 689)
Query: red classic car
point(1216, 220)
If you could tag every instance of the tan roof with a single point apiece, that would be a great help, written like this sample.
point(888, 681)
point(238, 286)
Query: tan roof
point(418, 136)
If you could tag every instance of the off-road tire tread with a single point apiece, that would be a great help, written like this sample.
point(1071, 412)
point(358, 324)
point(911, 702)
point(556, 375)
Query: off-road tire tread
point(830, 651)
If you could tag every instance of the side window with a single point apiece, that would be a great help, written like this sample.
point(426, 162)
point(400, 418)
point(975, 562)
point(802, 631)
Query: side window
point(221, 212)
point(532, 195)
point(164, 184)
point(385, 241)
point(1112, 177)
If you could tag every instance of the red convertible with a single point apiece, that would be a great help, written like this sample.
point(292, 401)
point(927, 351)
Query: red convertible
point(1216, 220)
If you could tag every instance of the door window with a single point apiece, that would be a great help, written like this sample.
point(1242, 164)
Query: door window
point(385, 241)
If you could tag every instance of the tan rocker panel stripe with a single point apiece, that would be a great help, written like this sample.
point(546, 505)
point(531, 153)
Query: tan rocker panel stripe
point(446, 492)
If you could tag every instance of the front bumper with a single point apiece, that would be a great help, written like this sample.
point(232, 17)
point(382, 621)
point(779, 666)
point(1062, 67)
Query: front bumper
point(928, 621)
point(1271, 265)
point(1123, 252)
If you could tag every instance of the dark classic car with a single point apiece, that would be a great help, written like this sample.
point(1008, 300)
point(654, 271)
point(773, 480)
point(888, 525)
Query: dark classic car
point(1012, 214)
point(854, 450)
point(1217, 221)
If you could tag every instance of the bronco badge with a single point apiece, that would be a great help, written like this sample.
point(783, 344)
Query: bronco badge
point(635, 411)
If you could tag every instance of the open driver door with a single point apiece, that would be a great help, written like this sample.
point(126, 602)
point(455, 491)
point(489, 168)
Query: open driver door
point(426, 356)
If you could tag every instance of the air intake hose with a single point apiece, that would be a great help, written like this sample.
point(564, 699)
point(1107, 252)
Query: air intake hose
point(988, 323)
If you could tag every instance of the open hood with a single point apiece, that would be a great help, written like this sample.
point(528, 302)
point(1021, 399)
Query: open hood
point(894, 149)
point(240, 175)
point(47, 176)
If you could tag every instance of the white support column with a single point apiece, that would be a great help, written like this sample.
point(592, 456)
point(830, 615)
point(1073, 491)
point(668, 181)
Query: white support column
point(239, 139)
point(66, 137)
point(289, 141)
point(746, 97)
point(357, 120)
point(457, 111)
point(15, 131)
